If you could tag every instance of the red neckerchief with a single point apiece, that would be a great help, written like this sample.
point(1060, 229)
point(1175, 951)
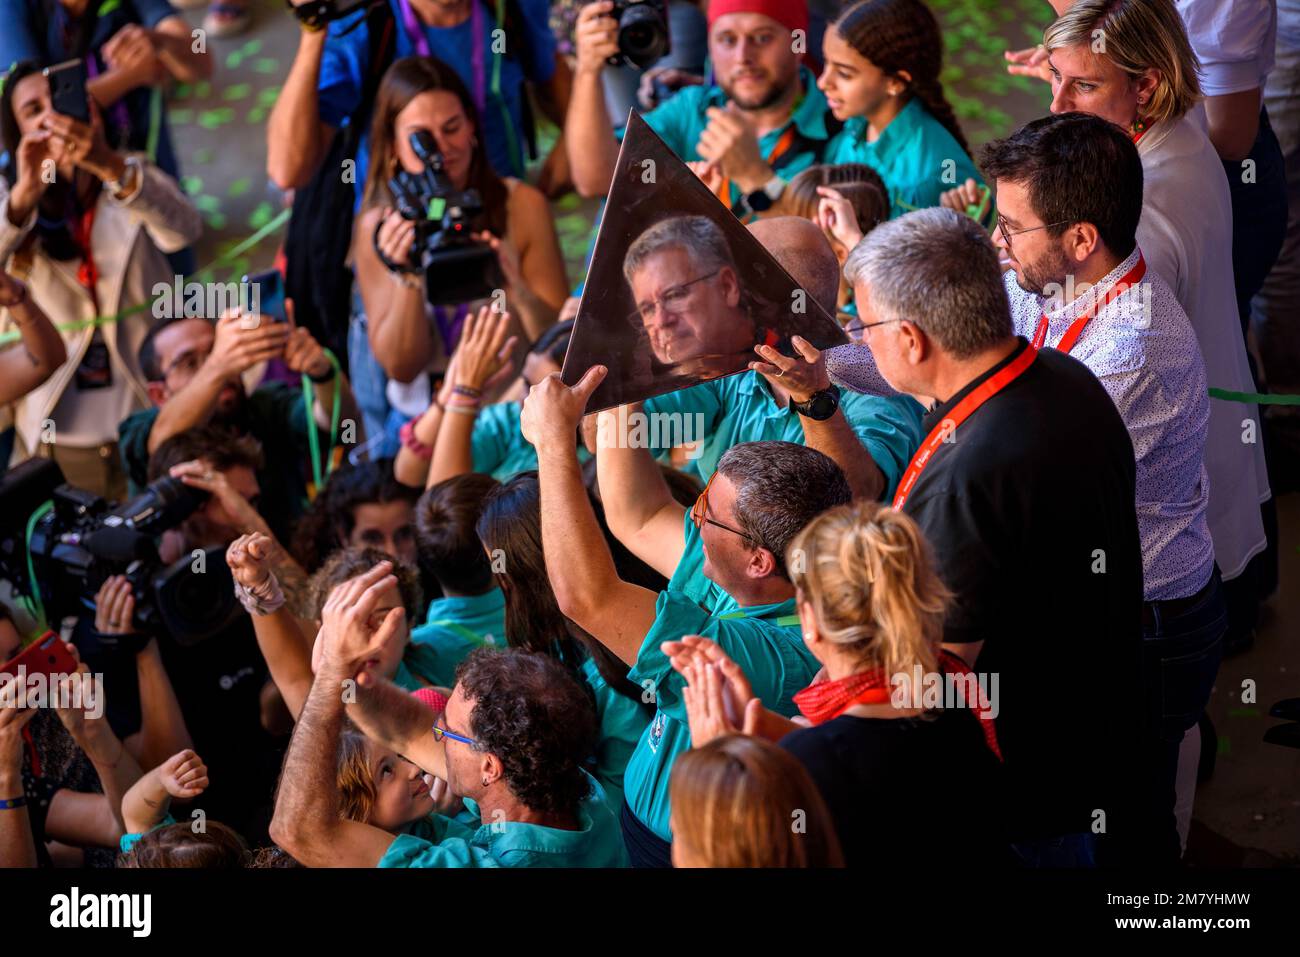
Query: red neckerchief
point(83, 227)
point(827, 700)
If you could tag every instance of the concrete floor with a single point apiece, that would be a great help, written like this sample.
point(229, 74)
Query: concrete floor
point(1247, 813)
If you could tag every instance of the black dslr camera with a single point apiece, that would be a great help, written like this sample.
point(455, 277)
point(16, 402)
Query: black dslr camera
point(457, 268)
point(65, 555)
point(642, 32)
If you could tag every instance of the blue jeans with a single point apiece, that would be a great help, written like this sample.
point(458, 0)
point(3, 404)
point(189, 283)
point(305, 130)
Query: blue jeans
point(1067, 850)
point(1181, 652)
point(369, 382)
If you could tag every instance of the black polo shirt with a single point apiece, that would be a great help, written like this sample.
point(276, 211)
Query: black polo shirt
point(1030, 510)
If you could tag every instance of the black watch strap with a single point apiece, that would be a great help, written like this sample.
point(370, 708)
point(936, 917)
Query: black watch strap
point(820, 405)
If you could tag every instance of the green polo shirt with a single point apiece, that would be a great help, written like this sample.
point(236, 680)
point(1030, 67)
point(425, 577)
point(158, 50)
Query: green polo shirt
point(438, 841)
point(455, 627)
point(740, 408)
point(915, 155)
point(498, 447)
point(765, 640)
point(680, 120)
point(622, 722)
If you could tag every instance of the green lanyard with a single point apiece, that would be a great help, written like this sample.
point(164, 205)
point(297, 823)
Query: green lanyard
point(458, 628)
point(785, 621)
point(313, 442)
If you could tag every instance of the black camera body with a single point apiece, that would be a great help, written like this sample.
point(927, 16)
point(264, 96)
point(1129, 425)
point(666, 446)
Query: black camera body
point(457, 268)
point(68, 553)
point(642, 32)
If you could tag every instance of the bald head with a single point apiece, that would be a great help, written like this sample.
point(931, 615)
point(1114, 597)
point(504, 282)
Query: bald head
point(801, 249)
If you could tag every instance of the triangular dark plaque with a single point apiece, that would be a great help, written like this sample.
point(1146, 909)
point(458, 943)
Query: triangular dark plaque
point(738, 295)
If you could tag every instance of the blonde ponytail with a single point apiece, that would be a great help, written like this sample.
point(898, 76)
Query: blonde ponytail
point(868, 573)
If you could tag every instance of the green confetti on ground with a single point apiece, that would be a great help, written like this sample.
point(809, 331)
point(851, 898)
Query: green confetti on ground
point(207, 203)
point(203, 90)
point(201, 157)
point(260, 216)
point(268, 95)
point(233, 60)
point(212, 119)
point(192, 185)
point(182, 117)
point(215, 221)
point(251, 48)
point(182, 91)
point(256, 116)
point(266, 64)
point(236, 91)
point(239, 187)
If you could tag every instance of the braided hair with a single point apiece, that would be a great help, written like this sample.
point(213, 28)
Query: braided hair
point(898, 35)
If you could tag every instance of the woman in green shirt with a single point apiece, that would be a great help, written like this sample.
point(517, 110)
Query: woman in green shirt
point(881, 79)
point(511, 526)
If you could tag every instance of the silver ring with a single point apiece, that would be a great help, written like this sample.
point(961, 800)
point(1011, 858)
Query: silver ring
point(781, 373)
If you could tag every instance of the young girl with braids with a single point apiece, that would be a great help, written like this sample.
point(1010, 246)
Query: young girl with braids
point(901, 777)
point(881, 78)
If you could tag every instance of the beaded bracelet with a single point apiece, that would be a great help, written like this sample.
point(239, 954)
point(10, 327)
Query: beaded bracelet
point(467, 390)
point(12, 804)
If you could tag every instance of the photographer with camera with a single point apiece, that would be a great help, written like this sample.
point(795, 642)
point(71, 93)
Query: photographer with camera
point(423, 103)
point(194, 370)
point(219, 677)
point(762, 122)
point(102, 260)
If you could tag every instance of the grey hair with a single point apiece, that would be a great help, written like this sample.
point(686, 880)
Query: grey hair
point(780, 488)
point(938, 270)
point(699, 236)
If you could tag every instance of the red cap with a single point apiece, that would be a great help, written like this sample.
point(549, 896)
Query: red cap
point(791, 14)
point(434, 699)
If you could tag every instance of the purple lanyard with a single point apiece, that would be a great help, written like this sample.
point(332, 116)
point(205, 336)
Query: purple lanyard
point(415, 31)
point(449, 326)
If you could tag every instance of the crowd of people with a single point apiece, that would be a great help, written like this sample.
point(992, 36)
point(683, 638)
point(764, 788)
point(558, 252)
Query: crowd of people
point(863, 614)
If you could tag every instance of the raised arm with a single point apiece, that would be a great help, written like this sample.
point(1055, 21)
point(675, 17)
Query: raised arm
point(162, 725)
point(296, 138)
point(182, 776)
point(17, 849)
point(397, 321)
point(307, 822)
point(42, 351)
point(639, 508)
point(281, 641)
point(578, 562)
point(588, 133)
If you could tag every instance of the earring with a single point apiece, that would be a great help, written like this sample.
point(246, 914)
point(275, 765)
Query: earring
point(485, 782)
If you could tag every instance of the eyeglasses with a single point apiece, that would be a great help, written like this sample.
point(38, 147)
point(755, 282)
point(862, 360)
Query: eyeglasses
point(1007, 232)
point(440, 733)
point(856, 327)
point(673, 300)
point(700, 512)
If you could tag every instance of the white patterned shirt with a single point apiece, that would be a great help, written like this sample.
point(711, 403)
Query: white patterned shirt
point(1143, 350)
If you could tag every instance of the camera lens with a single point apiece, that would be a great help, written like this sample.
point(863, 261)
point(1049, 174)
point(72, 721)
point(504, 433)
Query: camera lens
point(642, 35)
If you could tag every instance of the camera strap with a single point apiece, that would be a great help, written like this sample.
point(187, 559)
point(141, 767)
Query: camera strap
point(321, 472)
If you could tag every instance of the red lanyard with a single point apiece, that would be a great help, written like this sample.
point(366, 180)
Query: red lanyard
point(778, 150)
point(83, 227)
point(939, 434)
point(1130, 278)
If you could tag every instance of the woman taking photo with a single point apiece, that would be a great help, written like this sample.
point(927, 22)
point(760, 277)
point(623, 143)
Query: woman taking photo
point(881, 79)
point(407, 335)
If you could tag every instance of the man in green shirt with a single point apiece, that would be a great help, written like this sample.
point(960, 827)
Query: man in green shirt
point(512, 741)
point(762, 495)
point(763, 121)
point(193, 369)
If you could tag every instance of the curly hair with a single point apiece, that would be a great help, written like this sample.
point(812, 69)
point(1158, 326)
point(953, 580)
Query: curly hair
point(329, 522)
point(179, 845)
point(356, 782)
point(532, 714)
point(348, 563)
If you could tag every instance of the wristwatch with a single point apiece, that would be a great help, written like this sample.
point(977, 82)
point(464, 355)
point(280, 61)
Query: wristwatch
point(820, 405)
point(760, 200)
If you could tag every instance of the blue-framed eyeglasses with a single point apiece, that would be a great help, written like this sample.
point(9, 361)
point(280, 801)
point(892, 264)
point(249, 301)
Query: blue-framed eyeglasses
point(440, 733)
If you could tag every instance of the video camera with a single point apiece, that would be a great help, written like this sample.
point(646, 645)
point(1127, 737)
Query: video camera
point(320, 13)
point(457, 268)
point(83, 540)
point(642, 32)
